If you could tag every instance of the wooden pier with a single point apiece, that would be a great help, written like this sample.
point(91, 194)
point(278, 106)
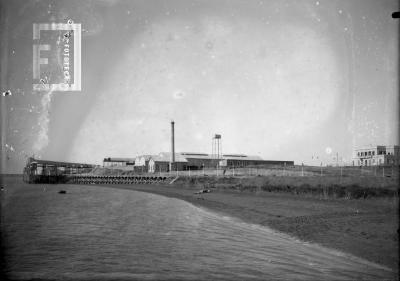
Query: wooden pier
point(85, 179)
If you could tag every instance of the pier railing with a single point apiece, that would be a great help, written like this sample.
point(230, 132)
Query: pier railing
point(85, 179)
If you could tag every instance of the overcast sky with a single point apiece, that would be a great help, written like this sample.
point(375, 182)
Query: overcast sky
point(285, 80)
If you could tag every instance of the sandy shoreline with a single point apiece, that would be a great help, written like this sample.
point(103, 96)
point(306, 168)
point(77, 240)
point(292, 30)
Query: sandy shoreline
point(364, 228)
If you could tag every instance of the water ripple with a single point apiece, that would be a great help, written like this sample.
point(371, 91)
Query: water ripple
point(105, 234)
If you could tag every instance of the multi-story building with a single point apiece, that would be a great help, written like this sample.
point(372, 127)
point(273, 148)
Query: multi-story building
point(377, 156)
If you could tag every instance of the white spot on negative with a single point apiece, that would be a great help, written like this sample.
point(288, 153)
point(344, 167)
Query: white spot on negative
point(328, 150)
point(7, 93)
point(179, 95)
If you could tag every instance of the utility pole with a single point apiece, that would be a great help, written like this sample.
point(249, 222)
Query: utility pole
point(321, 169)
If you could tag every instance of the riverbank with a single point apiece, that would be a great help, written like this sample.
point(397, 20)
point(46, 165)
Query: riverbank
point(367, 228)
point(94, 232)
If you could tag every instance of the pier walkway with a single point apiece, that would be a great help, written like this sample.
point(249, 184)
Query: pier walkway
point(83, 179)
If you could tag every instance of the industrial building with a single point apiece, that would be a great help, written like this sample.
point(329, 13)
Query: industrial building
point(111, 162)
point(241, 160)
point(161, 162)
point(379, 155)
point(171, 161)
point(142, 163)
point(199, 161)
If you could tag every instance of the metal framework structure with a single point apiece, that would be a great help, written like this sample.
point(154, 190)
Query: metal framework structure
point(216, 148)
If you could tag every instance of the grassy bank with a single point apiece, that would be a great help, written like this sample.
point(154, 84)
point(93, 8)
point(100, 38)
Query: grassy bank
point(319, 182)
point(320, 187)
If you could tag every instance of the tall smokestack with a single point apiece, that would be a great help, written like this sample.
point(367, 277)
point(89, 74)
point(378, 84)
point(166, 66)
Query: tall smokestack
point(172, 164)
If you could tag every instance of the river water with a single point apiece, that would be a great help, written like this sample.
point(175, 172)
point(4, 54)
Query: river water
point(100, 233)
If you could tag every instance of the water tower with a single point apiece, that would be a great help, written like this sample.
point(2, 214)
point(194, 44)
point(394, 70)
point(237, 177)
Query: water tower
point(216, 148)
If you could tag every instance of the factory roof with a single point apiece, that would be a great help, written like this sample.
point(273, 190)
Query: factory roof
point(242, 157)
point(32, 160)
point(146, 157)
point(196, 155)
point(166, 157)
point(224, 156)
point(117, 159)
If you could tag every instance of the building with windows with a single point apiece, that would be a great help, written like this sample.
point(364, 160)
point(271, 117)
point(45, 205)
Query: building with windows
point(142, 163)
point(112, 162)
point(241, 160)
point(199, 161)
point(160, 163)
point(379, 155)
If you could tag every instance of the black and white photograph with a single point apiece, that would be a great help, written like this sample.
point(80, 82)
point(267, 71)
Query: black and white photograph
point(199, 139)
